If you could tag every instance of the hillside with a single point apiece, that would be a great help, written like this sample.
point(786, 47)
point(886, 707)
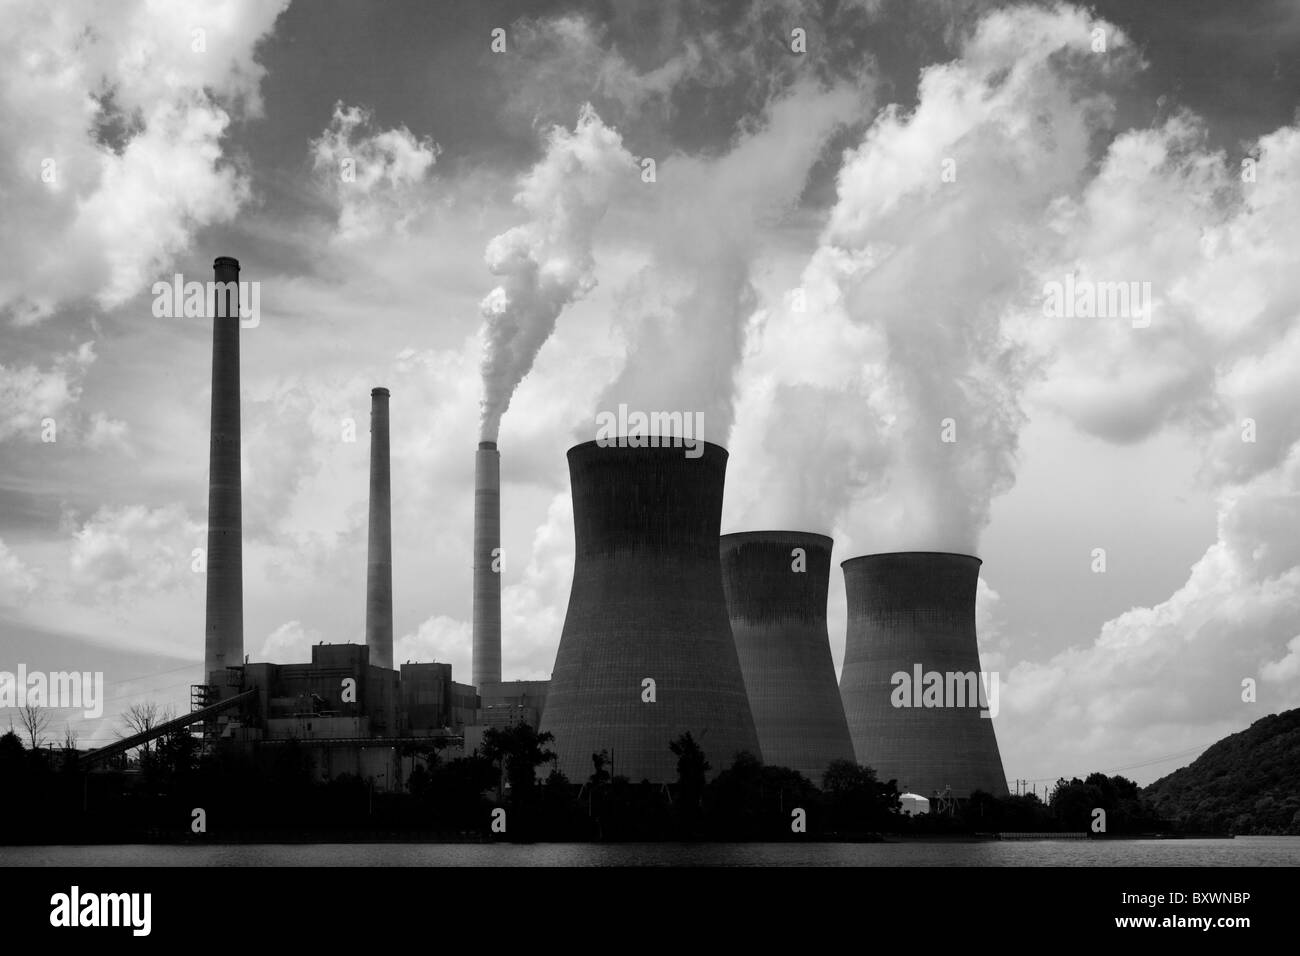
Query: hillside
point(1247, 783)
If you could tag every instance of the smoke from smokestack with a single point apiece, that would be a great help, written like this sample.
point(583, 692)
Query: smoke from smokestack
point(224, 628)
point(546, 263)
point(689, 308)
point(486, 664)
point(906, 313)
point(379, 560)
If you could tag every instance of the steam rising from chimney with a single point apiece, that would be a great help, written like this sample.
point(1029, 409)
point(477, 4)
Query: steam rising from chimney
point(546, 263)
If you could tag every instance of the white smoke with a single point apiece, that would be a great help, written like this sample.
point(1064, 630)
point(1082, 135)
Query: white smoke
point(546, 263)
point(892, 402)
point(689, 307)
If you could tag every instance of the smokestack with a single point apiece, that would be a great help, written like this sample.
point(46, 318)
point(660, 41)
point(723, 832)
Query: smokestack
point(379, 560)
point(910, 615)
point(223, 644)
point(486, 664)
point(776, 584)
point(646, 653)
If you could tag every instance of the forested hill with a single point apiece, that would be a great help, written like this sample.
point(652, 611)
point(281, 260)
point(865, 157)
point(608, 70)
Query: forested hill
point(1248, 783)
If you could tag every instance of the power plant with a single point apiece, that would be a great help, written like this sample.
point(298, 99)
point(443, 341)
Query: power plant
point(912, 686)
point(646, 653)
point(776, 584)
point(670, 629)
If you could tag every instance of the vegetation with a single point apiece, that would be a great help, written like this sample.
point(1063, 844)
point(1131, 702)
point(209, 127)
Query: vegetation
point(1247, 783)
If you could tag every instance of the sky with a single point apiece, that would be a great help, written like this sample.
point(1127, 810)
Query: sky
point(840, 251)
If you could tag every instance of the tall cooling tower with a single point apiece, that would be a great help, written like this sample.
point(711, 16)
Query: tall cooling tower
point(646, 604)
point(776, 584)
point(379, 556)
point(486, 664)
point(912, 614)
point(223, 644)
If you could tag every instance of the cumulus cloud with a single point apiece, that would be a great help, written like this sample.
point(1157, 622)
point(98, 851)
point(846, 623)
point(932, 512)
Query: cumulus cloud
point(112, 143)
point(547, 263)
point(134, 550)
point(17, 581)
point(438, 638)
point(290, 643)
point(372, 176)
point(29, 395)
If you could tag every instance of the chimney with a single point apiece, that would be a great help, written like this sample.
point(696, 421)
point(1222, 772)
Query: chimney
point(486, 664)
point(776, 584)
point(224, 630)
point(646, 605)
point(379, 559)
point(912, 614)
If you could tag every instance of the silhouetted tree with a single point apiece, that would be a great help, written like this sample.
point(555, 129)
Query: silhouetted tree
point(35, 720)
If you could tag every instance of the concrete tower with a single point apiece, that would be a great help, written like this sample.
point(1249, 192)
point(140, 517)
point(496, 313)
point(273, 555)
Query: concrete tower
point(912, 614)
point(646, 604)
point(776, 584)
point(223, 644)
point(486, 664)
point(379, 558)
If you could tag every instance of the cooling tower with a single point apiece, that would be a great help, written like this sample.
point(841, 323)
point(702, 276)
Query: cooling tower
point(486, 664)
point(379, 557)
point(776, 584)
point(223, 644)
point(911, 619)
point(646, 605)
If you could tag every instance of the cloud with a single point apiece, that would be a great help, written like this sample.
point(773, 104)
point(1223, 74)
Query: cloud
point(29, 395)
point(438, 638)
point(134, 551)
point(17, 581)
point(372, 177)
point(112, 144)
point(289, 643)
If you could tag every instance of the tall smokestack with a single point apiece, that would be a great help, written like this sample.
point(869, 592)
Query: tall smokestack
point(486, 664)
point(912, 614)
point(379, 559)
point(223, 644)
point(646, 653)
point(776, 584)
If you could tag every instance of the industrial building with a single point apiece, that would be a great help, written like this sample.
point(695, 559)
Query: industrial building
point(776, 584)
point(646, 652)
point(669, 629)
point(349, 708)
point(913, 613)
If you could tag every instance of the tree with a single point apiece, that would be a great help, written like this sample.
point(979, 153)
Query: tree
point(69, 737)
point(35, 720)
point(140, 718)
point(517, 752)
point(857, 800)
